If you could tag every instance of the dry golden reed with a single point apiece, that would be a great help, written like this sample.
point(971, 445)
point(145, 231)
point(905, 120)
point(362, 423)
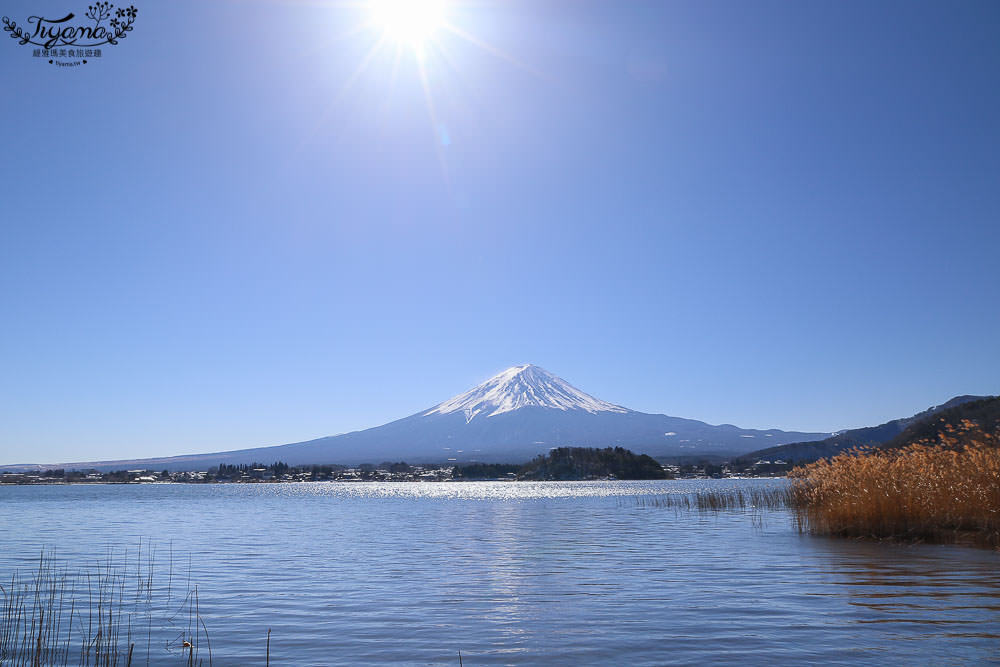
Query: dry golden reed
point(941, 490)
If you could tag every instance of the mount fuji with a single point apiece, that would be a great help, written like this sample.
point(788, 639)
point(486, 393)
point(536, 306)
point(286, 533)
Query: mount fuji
point(515, 415)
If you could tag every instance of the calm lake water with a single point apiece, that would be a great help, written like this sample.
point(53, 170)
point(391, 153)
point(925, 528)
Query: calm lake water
point(515, 574)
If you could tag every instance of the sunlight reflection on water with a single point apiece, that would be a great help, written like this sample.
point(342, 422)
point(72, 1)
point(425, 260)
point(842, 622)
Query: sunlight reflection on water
point(522, 573)
point(503, 490)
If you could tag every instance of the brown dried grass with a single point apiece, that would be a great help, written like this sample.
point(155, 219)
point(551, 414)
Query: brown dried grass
point(943, 491)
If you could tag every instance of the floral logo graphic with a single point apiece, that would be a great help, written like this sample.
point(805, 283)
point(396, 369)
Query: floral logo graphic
point(59, 39)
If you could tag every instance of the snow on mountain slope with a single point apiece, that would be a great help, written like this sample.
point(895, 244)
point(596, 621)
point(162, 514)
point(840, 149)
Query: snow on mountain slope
point(521, 387)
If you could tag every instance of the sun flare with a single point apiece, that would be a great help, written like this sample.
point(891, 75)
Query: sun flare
point(408, 21)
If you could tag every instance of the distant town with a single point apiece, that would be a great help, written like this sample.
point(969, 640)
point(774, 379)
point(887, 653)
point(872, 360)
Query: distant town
point(383, 472)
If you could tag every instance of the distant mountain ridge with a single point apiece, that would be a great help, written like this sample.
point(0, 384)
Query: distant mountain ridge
point(512, 417)
point(870, 436)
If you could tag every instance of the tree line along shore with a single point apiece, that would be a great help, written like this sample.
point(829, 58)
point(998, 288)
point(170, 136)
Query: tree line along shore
point(938, 482)
point(564, 463)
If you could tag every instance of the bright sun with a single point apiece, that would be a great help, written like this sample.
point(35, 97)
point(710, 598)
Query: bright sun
point(409, 21)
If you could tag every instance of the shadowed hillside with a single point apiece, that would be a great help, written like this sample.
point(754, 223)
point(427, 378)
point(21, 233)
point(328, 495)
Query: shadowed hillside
point(871, 436)
point(953, 427)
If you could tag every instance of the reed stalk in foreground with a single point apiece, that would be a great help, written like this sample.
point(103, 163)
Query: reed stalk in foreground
point(52, 616)
point(948, 491)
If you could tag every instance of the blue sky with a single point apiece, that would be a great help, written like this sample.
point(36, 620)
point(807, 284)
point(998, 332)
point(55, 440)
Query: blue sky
point(225, 233)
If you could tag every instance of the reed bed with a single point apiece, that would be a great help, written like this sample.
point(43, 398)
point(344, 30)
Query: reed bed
point(944, 491)
point(105, 615)
point(723, 499)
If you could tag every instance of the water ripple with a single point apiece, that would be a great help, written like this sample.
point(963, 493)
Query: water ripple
point(515, 573)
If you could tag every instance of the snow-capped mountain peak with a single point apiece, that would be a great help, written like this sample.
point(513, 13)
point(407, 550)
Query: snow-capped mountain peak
point(520, 387)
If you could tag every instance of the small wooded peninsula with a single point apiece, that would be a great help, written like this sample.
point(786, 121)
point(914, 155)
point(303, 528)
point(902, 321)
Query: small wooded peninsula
point(572, 463)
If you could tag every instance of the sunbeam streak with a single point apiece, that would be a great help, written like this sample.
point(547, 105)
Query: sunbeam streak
point(424, 41)
point(344, 89)
point(489, 48)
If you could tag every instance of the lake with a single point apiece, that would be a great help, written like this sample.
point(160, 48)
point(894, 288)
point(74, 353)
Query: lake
point(512, 573)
